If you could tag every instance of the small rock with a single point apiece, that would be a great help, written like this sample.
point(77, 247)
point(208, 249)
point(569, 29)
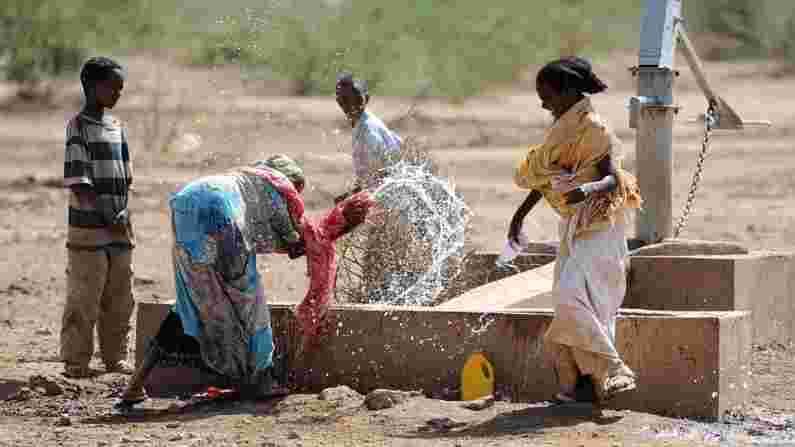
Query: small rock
point(23, 394)
point(338, 393)
point(479, 404)
point(43, 332)
point(63, 421)
point(381, 399)
point(143, 281)
point(173, 425)
point(186, 142)
point(293, 435)
point(175, 438)
point(444, 424)
point(50, 386)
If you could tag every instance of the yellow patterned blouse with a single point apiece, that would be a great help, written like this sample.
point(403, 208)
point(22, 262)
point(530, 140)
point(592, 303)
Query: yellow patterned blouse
point(575, 145)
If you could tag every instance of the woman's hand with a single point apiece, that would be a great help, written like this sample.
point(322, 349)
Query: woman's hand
point(518, 217)
point(344, 196)
point(582, 192)
point(341, 197)
point(515, 228)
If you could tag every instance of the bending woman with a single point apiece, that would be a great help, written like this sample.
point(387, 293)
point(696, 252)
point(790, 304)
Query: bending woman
point(221, 320)
point(577, 169)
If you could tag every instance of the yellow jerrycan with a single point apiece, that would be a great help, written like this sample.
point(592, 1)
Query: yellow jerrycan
point(477, 377)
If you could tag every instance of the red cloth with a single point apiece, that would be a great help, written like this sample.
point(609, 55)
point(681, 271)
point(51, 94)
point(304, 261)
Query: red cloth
point(321, 256)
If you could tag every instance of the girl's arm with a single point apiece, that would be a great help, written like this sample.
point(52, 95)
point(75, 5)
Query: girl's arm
point(607, 182)
point(518, 217)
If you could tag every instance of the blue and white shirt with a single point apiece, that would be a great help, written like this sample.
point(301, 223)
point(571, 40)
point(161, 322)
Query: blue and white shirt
point(374, 146)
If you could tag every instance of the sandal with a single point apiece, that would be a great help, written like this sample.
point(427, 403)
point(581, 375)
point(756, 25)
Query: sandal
point(616, 385)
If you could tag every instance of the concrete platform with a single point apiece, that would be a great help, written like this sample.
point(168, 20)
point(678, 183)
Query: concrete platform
point(170, 381)
point(760, 282)
point(479, 270)
point(690, 364)
point(529, 289)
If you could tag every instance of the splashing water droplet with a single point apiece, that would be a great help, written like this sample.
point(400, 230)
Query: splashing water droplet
point(428, 221)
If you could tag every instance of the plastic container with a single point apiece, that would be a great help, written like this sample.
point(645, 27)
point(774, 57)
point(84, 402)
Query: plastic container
point(477, 377)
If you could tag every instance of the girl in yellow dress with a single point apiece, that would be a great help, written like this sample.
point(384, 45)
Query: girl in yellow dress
point(577, 169)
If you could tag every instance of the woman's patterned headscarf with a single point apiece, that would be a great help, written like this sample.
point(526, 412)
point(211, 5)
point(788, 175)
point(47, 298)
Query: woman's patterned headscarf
point(284, 165)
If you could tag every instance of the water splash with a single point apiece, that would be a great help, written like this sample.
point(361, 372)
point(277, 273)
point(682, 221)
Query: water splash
point(416, 247)
point(484, 322)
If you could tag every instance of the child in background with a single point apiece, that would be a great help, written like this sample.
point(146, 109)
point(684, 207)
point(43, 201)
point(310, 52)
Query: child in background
point(374, 145)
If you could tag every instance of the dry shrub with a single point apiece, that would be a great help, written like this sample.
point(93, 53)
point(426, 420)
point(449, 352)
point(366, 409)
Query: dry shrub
point(387, 255)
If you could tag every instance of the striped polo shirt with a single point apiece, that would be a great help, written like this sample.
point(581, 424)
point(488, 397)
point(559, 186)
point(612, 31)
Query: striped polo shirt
point(97, 155)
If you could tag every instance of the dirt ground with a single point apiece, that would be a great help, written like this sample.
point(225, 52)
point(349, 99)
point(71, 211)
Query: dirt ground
point(187, 122)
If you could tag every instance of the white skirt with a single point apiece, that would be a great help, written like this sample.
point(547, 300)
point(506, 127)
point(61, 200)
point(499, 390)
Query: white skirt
point(590, 280)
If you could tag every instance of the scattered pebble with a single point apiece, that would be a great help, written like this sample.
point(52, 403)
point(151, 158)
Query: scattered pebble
point(23, 394)
point(186, 142)
point(381, 398)
point(479, 404)
point(339, 393)
point(48, 385)
point(443, 425)
point(63, 421)
point(143, 281)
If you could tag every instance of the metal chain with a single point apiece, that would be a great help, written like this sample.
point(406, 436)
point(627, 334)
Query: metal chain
point(710, 119)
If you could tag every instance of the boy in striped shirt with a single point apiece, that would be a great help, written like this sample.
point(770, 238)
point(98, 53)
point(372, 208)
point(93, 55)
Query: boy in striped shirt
point(99, 239)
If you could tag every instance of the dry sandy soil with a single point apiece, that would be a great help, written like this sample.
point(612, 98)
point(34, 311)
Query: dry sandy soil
point(745, 197)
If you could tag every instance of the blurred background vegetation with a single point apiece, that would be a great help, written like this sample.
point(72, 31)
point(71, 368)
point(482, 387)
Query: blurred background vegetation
point(453, 48)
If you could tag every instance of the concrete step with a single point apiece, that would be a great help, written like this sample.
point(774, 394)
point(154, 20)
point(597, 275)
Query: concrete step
point(760, 282)
point(689, 364)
